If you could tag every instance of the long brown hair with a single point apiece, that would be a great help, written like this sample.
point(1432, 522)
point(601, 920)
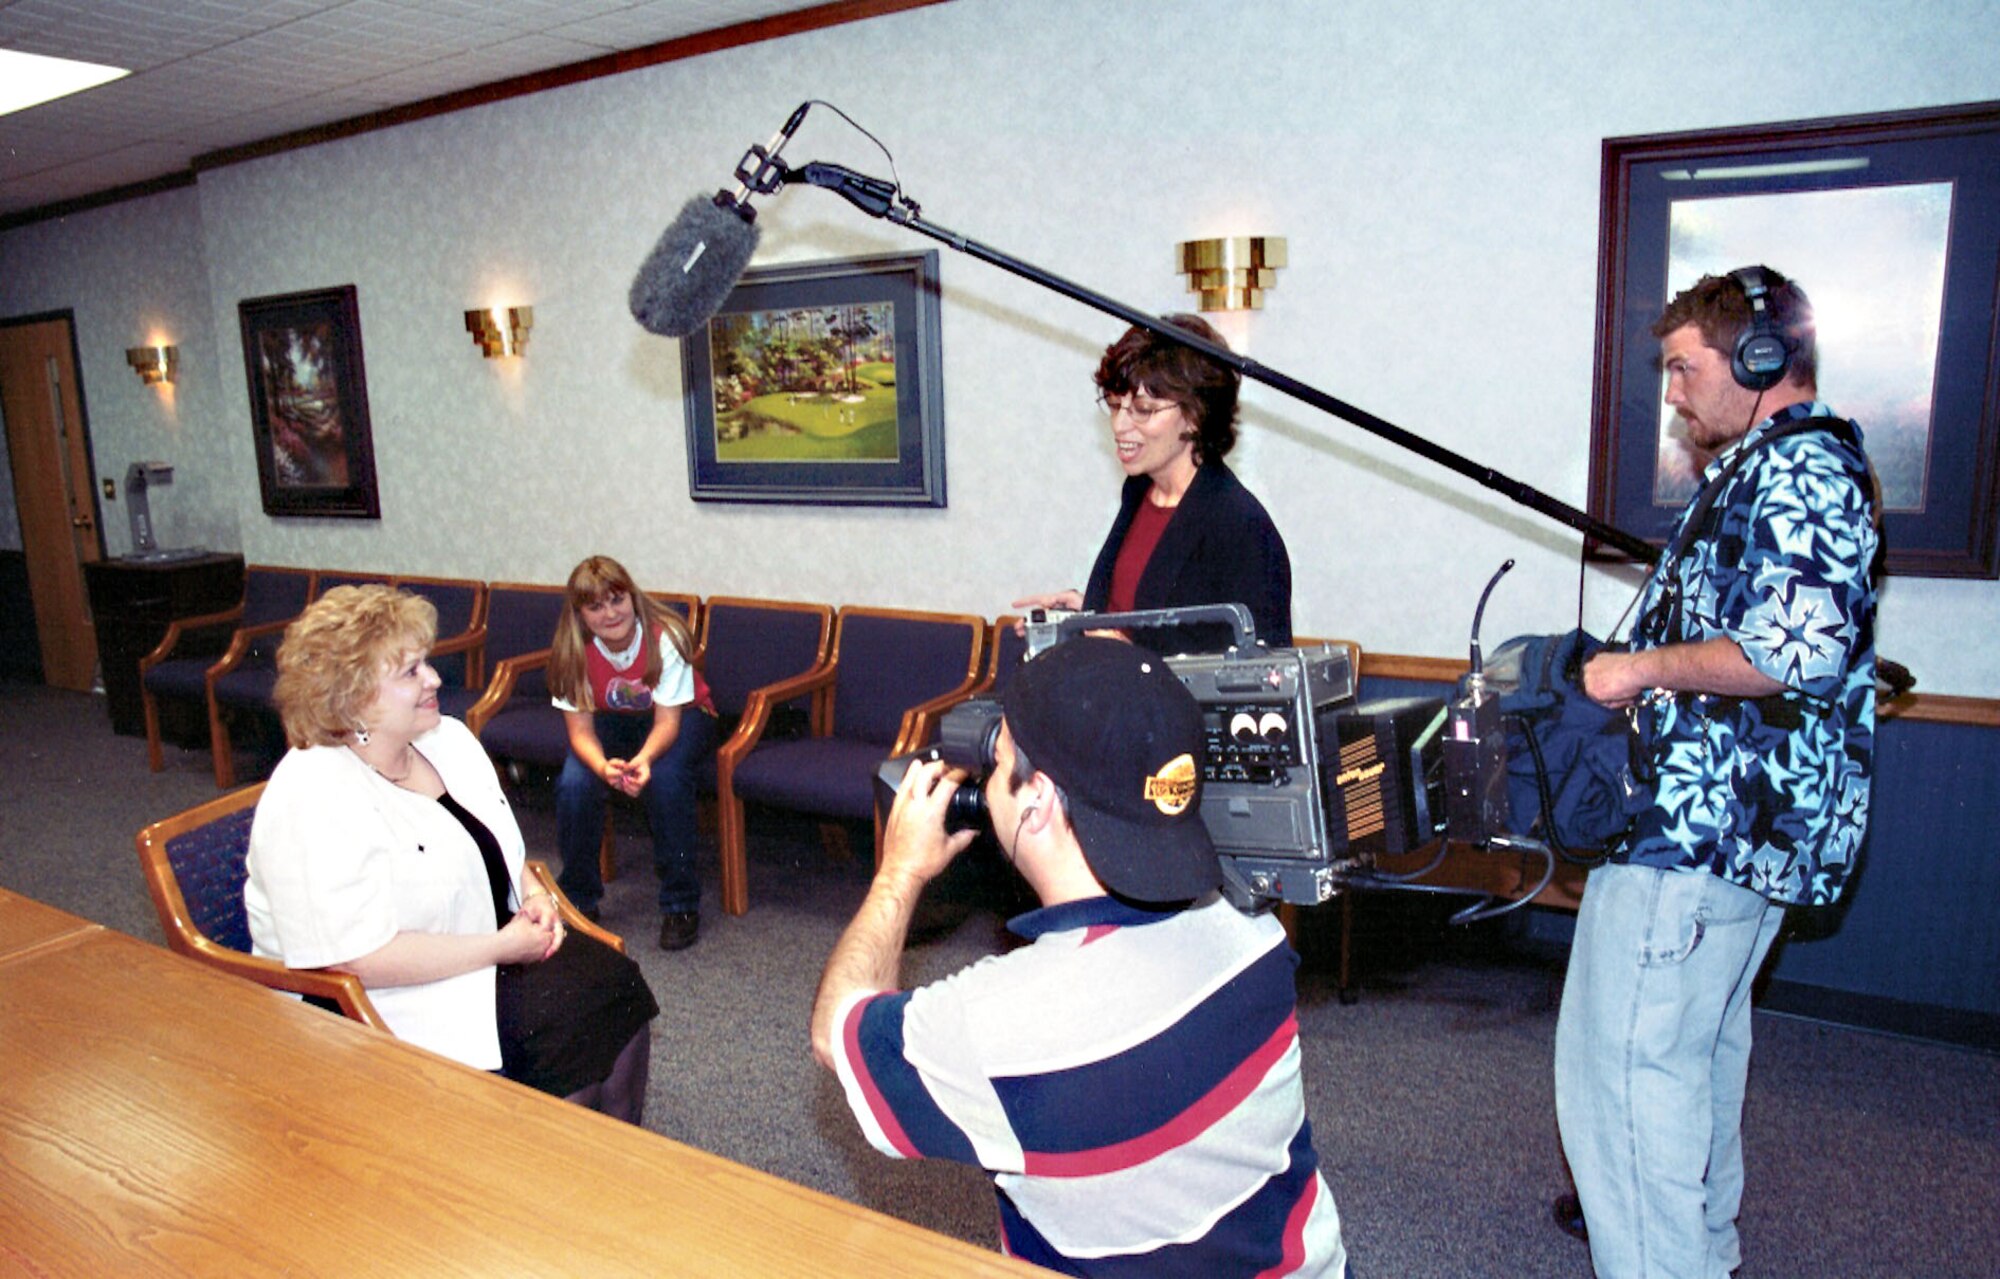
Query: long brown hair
point(589, 582)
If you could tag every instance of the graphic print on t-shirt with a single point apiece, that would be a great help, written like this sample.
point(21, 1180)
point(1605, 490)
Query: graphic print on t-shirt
point(623, 693)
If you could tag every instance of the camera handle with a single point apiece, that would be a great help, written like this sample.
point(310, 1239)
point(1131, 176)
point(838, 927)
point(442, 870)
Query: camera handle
point(1236, 615)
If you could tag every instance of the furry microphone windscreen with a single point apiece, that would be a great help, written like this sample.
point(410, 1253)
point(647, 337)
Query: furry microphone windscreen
point(692, 269)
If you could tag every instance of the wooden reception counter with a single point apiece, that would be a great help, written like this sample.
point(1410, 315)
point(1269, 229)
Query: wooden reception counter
point(156, 1116)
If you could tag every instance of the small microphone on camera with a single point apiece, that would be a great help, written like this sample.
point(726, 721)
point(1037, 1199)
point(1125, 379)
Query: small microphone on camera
point(1475, 748)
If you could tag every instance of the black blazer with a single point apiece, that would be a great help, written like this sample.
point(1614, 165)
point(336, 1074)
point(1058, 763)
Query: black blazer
point(1219, 548)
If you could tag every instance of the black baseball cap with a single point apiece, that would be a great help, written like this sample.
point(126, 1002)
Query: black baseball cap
point(1113, 726)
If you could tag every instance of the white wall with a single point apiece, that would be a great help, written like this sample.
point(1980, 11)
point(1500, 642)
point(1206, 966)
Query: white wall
point(132, 274)
point(1434, 166)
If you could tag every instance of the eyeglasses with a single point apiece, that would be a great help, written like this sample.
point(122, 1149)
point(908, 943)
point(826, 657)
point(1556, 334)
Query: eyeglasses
point(1139, 413)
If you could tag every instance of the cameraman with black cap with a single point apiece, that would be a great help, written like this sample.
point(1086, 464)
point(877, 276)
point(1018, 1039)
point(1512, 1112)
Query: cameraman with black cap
point(1131, 1079)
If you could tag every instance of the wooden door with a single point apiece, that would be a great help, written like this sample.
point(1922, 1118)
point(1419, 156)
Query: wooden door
point(48, 447)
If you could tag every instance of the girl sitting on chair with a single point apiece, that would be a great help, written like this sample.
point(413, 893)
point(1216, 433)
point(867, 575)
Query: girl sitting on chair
point(640, 719)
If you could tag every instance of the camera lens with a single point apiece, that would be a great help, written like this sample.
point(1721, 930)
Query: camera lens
point(967, 810)
point(968, 734)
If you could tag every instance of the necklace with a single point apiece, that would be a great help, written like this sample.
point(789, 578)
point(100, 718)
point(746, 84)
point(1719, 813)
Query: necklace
point(409, 753)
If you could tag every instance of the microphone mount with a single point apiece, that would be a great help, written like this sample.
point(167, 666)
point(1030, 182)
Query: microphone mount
point(884, 200)
point(1478, 665)
point(760, 172)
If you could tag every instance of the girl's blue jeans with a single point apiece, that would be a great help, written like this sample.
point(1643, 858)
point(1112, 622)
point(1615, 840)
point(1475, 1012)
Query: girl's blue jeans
point(669, 798)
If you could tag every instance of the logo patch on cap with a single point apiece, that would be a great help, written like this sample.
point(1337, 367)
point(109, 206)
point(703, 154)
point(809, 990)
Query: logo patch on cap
point(1172, 788)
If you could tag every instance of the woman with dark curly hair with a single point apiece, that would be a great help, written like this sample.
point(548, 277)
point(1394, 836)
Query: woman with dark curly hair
point(1187, 531)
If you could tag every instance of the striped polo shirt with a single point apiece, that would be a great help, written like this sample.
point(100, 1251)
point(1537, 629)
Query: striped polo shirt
point(1131, 1081)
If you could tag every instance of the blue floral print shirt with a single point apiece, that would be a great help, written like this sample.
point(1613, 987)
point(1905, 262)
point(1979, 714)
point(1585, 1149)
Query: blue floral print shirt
point(1771, 793)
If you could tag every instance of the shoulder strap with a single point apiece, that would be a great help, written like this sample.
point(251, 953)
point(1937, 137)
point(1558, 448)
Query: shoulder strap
point(1702, 515)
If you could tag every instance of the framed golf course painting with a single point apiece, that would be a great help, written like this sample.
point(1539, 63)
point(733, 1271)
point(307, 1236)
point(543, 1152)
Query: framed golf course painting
point(820, 383)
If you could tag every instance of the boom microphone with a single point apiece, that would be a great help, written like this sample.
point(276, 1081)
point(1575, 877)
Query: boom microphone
point(689, 273)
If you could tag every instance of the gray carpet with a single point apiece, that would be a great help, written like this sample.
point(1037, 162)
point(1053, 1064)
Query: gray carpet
point(1430, 1098)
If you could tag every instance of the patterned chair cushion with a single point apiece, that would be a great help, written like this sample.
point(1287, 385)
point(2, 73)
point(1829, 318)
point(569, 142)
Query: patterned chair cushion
point(208, 863)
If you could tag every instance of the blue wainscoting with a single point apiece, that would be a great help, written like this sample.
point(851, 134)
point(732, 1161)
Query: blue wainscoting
point(1914, 945)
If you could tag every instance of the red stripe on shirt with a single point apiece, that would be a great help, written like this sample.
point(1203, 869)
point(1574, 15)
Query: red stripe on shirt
point(850, 1038)
point(1182, 1129)
point(1294, 1254)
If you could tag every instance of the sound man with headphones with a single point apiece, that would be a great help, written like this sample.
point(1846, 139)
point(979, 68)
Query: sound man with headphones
point(1751, 678)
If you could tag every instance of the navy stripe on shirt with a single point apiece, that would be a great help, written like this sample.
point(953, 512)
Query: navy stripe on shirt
point(1201, 1056)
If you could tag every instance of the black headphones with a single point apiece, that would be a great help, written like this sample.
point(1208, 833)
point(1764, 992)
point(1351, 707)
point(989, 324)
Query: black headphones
point(1763, 353)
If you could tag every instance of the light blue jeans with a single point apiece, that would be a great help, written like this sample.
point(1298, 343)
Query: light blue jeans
point(1652, 1050)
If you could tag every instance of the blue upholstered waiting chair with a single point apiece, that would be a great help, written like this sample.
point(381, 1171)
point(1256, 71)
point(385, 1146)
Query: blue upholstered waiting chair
point(750, 644)
point(241, 682)
point(195, 871)
point(178, 666)
point(512, 716)
point(889, 672)
point(461, 634)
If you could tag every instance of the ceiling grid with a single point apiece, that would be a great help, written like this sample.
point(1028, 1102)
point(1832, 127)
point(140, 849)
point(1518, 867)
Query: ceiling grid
point(213, 75)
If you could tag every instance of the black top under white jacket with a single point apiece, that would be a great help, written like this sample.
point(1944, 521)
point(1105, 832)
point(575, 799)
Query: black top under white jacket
point(1219, 548)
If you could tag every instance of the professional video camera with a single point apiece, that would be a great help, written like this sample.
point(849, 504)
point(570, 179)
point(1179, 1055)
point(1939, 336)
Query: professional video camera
point(1303, 786)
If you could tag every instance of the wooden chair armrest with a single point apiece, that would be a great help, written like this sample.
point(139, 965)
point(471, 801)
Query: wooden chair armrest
point(344, 989)
point(991, 663)
point(573, 919)
point(757, 710)
point(920, 721)
point(462, 642)
point(500, 688)
point(472, 643)
point(239, 645)
point(182, 626)
point(785, 690)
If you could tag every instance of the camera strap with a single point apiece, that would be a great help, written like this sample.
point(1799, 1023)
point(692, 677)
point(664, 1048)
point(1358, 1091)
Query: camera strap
point(1780, 710)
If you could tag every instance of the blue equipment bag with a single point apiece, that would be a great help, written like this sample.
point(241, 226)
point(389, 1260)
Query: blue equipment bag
point(1568, 758)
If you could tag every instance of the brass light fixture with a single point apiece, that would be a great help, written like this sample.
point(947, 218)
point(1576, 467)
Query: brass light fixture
point(154, 363)
point(1231, 274)
point(501, 331)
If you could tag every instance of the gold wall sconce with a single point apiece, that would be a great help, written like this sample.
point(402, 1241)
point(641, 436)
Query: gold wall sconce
point(1231, 274)
point(154, 363)
point(501, 331)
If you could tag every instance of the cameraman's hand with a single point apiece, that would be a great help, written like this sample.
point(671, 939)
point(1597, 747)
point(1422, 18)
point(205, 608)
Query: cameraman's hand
point(914, 842)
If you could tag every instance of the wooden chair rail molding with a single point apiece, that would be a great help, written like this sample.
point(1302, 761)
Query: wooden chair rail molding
point(1916, 708)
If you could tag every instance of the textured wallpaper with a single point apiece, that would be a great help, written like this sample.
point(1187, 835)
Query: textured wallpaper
point(132, 274)
point(1437, 177)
